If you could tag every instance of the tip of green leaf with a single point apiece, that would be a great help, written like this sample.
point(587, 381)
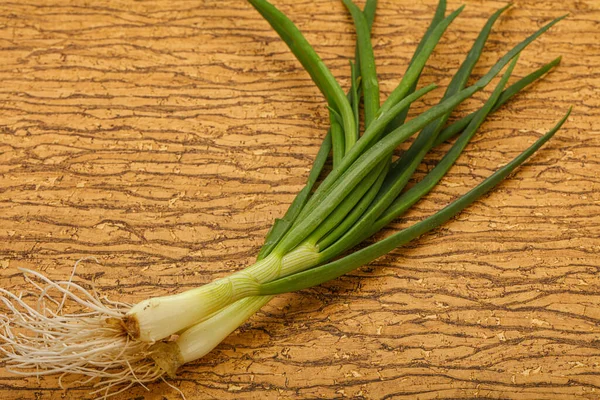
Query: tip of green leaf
point(564, 119)
point(430, 87)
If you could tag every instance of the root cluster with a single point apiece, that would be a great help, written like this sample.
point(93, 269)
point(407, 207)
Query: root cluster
point(63, 328)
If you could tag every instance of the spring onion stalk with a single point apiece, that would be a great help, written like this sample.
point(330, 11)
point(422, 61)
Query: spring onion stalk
point(453, 129)
point(369, 83)
point(418, 62)
point(327, 272)
point(126, 344)
point(438, 16)
point(313, 64)
point(281, 226)
point(403, 169)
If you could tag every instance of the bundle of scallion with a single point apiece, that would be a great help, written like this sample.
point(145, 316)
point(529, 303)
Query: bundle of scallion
point(311, 244)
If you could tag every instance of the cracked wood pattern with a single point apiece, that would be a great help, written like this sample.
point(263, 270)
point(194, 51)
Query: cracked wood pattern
point(164, 137)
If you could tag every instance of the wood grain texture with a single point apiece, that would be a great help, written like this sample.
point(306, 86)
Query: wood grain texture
point(164, 137)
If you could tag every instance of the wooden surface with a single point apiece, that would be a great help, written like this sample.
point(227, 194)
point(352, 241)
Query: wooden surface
point(164, 137)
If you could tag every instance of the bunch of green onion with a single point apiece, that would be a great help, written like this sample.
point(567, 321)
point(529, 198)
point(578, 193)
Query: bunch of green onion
point(312, 244)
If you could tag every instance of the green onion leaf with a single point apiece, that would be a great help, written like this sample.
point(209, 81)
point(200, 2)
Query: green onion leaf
point(368, 71)
point(414, 70)
point(335, 269)
point(355, 97)
point(437, 18)
point(402, 170)
point(456, 127)
point(313, 64)
point(423, 187)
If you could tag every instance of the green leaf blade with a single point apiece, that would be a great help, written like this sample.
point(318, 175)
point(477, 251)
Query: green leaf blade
point(456, 127)
point(335, 269)
point(366, 59)
point(311, 61)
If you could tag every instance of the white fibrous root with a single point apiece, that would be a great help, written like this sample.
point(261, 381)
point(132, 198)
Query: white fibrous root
point(63, 328)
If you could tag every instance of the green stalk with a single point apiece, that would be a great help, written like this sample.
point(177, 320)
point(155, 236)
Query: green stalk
point(355, 97)
point(437, 18)
point(418, 63)
point(355, 165)
point(335, 269)
point(404, 168)
point(451, 130)
point(338, 140)
point(369, 13)
point(313, 64)
point(368, 72)
point(404, 202)
point(281, 226)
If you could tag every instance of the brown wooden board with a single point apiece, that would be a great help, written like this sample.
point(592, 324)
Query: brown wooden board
point(164, 137)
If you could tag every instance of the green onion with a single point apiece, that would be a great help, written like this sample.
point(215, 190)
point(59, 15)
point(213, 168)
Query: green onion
point(312, 243)
point(370, 85)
